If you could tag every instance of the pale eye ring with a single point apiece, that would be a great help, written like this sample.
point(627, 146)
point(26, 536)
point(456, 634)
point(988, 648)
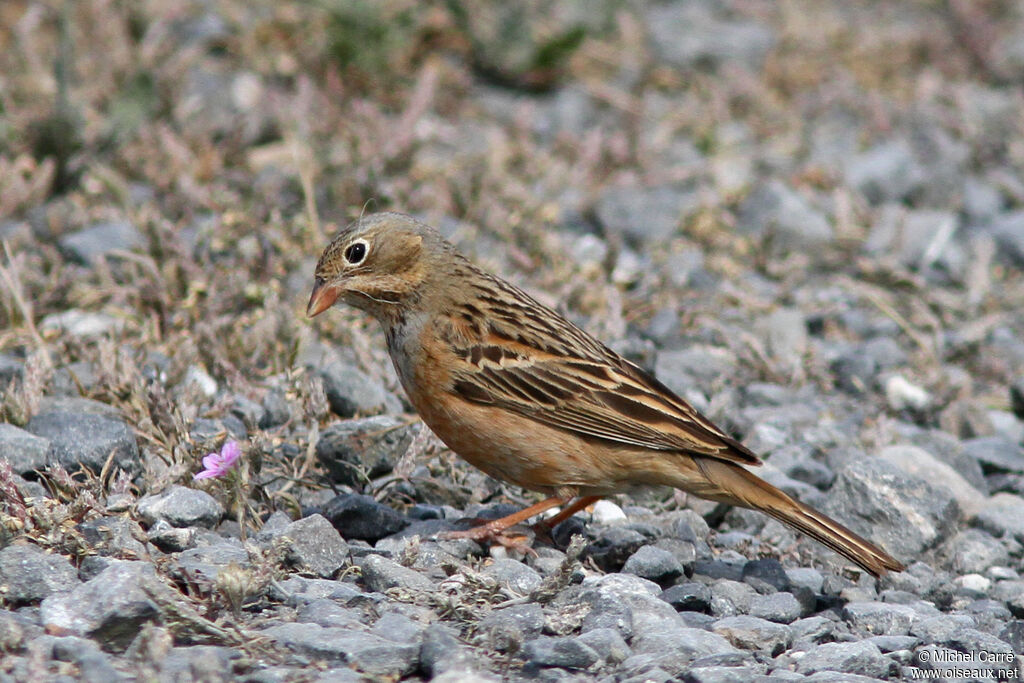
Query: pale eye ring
point(356, 252)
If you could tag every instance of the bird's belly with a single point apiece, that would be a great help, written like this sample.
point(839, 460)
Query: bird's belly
point(516, 449)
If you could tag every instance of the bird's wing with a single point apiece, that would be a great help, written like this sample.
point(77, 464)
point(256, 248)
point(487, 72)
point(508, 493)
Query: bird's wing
point(535, 363)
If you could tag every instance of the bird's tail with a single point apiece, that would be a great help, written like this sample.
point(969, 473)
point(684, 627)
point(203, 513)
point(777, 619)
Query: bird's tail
point(729, 483)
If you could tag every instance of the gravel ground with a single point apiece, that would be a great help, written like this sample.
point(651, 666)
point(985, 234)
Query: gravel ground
point(807, 218)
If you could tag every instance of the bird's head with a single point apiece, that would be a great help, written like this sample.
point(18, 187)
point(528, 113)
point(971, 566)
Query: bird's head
point(376, 264)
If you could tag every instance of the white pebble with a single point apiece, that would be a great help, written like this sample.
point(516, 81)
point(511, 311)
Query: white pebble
point(902, 394)
point(607, 512)
point(201, 378)
point(974, 582)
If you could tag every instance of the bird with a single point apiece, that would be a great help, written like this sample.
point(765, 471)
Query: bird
point(531, 399)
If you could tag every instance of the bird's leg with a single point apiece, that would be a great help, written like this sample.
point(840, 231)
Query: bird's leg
point(494, 530)
point(569, 511)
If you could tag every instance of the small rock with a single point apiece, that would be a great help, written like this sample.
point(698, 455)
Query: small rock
point(613, 546)
point(314, 544)
point(752, 633)
point(1008, 230)
point(205, 563)
point(886, 172)
point(901, 394)
point(29, 574)
point(996, 453)
point(766, 575)
point(1003, 515)
point(606, 512)
point(920, 463)
point(805, 577)
point(366, 652)
point(514, 576)
point(565, 652)
point(689, 597)
point(198, 376)
point(380, 574)
point(181, 506)
point(355, 451)
point(93, 243)
point(692, 35)
point(441, 653)
point(25, 451)
point(351, 391)
point(904, 513)
point(781, 607)
point(880, 617)
point(857, 657)
point(775, 212)
point(645, 213)
point(114, 536)
point(86, 324)
point(111, 608)
point(607, 643)
point(729, 598)
point(78, 439)
point(361, 517)
point(654, 564)
point(973, 550)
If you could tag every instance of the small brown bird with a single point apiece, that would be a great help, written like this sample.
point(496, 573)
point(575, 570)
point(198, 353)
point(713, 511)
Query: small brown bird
point(531, 399)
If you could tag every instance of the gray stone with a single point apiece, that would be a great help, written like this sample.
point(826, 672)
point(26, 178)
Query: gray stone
point(110, 608)
point(781, 607)
point(514, 576)
point(776, 213)
point(857, 657)
point(441, 652)
point(366, 652)
point(84, 439)
point(315, 545)
point(1003, 515)
point(681, 641)
point(380, 574)
point(903, 513)
point(205, 563)
point(613, 546)
point(355, 451)
point(645, 213)
point(880, 618)
point(920, 463)
point(695, 366)
point(690, 35)
point(654, 564)
point(753, 633)
point(690, 597)
point(607, 643)
point(887, 172)
point(528, 620)
point(730, 597)
point(324, 612)
point(11, 369)
point(181, 506)
point(813, 629)
point(1008, 229)
point(996, 453)
point(361, 517)
point(565, 652)
point(628, 604)
point(972, 551)
point(98, 240)
point(25, 451)
point(722, 674)
point(766, 575)
point(171, 539)
point(805, 577)
point(350, 391)
point(115, 536)
point(981, 200)
point(28, 574)
point(276, 410)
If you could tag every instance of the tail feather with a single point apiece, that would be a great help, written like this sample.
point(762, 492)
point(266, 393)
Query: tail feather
point(733, 484)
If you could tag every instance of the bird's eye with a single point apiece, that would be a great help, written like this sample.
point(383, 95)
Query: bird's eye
point(356, 252)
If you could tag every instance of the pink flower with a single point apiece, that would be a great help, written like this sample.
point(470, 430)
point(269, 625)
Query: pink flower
point(218, 464)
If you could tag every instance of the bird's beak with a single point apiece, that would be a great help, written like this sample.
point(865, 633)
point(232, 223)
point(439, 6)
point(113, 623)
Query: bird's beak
point(322, 298)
